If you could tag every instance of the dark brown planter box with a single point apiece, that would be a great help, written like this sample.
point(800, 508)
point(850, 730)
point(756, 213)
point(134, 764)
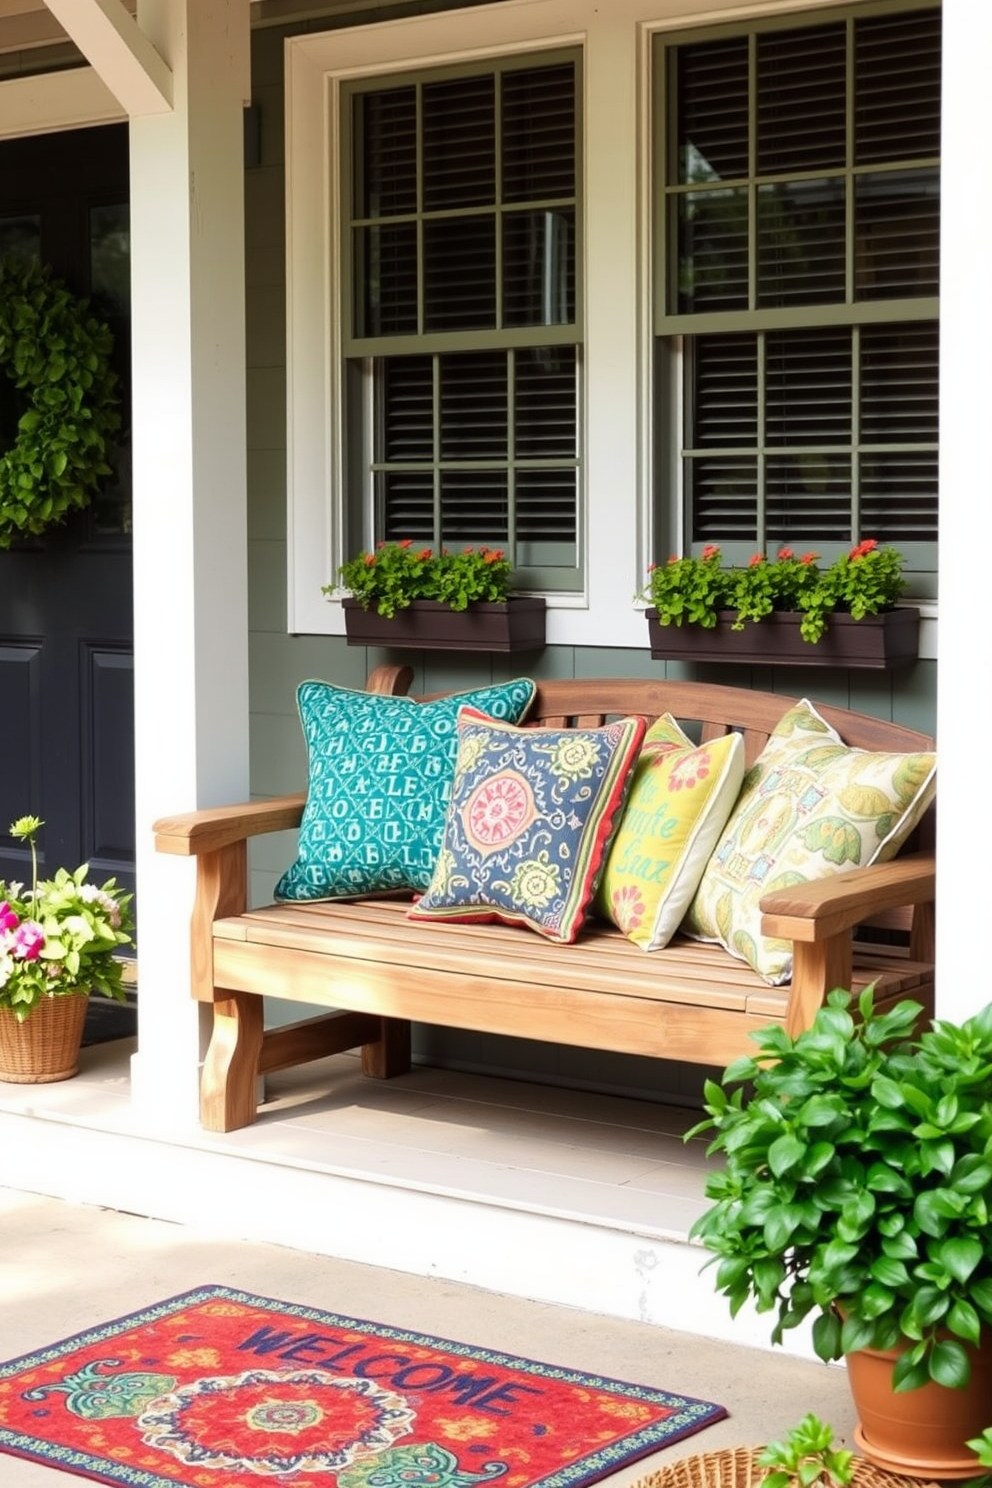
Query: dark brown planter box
point(887, 640)
point(427, 625)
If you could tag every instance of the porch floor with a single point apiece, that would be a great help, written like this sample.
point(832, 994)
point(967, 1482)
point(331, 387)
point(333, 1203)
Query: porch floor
point(560, 1196)
point(77, 1265)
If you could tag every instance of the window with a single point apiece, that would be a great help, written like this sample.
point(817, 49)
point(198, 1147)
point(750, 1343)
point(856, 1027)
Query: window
point(797, 233)
point(460, 277)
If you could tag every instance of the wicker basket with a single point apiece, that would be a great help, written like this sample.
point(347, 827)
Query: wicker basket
point(737, 1467)
point(45, 1047)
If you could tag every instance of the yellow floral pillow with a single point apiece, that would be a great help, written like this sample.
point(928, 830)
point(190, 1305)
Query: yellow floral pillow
point(679, 802)
point(810, 807)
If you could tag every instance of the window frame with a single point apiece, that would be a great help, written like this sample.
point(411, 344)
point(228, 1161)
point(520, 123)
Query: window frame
point(614, 533)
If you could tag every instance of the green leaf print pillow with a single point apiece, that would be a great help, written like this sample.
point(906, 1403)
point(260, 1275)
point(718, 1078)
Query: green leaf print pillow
point(810, 806)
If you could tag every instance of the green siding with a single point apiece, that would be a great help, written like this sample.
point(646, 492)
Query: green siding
point(280, 661)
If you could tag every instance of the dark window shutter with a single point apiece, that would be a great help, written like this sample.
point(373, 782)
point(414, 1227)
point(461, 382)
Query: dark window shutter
point(802, 91)
point(474, 418)
point(539, 133)
point(405, 501)
point(808, 387)
point(712, 84)
point(406, 417)
point(459, 143)
point(725, 390)
point(385, 180)
point(897, 87)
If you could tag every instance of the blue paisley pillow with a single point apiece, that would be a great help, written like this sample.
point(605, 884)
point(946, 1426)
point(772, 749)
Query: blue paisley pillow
point(380, 771)
point(529, 821)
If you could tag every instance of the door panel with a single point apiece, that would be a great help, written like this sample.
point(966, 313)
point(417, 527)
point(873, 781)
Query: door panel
point(66, 627)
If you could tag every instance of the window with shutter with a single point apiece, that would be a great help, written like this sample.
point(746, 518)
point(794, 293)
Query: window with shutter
point(461, 265)
point(796, 293)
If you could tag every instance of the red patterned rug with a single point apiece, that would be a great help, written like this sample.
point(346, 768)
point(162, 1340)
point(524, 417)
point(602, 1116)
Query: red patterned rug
point(220, 1387)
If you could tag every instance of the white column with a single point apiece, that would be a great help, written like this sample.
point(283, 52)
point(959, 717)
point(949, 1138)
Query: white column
point(190, 548)
point(964, 816)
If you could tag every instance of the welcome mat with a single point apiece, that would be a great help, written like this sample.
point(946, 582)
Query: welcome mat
point(220, 1387)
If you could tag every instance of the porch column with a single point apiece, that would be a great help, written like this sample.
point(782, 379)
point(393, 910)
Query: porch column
point(190, 547)
point(964, 813)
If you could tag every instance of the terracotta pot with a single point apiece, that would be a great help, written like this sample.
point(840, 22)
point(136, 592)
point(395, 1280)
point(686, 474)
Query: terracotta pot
point(920, 1433)
point(45, 1047)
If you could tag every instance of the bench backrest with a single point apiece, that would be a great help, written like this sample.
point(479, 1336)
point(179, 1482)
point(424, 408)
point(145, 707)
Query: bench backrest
point(706, 710)
point(564, 702)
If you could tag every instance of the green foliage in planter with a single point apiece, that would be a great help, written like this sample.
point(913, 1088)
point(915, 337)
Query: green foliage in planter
point(392, 575)
point(61, 936)
point(982, 1447)
point(806, 1456)
point(857, 1184)
point(693, 591)
point(58, 357)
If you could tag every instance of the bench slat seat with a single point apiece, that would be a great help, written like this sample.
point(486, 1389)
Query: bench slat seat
point(377, 971)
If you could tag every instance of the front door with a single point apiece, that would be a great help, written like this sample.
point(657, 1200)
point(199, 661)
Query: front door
point(66, 628)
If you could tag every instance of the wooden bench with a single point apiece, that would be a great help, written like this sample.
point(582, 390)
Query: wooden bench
point(378, 971)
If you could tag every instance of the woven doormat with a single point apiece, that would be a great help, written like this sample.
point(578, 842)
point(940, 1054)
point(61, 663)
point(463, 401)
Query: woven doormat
point(222, 1387)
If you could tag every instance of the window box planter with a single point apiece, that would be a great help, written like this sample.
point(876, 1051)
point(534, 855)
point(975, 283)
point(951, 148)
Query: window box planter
point(516, 624)
point(880, 641)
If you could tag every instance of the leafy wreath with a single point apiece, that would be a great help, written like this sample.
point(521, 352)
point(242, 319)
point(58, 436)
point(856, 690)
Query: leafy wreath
point(57, 354)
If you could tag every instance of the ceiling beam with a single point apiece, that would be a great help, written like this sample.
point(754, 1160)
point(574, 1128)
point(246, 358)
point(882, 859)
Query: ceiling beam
point(111, 40)
point(40, 103)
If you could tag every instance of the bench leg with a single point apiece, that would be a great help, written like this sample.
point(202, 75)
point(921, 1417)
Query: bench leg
point(228, 1084)
point(390, 1054)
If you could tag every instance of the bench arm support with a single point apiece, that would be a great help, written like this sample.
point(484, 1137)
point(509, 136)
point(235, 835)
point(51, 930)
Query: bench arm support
point(819, 917)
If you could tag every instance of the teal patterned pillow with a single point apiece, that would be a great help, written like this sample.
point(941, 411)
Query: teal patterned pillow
point(380, 771)
point(529, 822)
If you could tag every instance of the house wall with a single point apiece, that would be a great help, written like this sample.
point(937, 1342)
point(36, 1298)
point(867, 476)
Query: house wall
point(279, 661)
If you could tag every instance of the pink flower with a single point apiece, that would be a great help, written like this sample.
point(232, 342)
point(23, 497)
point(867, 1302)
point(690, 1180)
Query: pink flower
point(8, 919)
point(628, 908)
point(29, 939)
point(691, 771)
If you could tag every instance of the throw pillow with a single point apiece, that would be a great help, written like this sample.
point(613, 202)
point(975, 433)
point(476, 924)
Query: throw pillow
point(379, 778)
point(530, 817)
point(810, 807)
point(679, 802)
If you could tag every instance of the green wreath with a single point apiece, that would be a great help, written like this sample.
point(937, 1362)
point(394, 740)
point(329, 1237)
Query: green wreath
point(57, 354)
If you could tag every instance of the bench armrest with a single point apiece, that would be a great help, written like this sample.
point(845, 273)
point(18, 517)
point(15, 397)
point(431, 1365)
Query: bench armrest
point(199, 832)
point(819, 910)
point(819, 919)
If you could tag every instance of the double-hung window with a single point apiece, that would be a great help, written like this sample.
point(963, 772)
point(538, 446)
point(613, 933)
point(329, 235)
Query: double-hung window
point(796, 235)
point(460, 293)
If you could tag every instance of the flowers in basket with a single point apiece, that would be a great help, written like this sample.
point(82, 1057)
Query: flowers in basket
point(61, 936)
point(693, 591)
point(393, 574)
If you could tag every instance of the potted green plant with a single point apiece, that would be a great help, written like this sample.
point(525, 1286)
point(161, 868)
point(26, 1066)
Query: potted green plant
point(399, 594)
point(807, 1456)
point(856, 1189)
point(60, 940)
point(789, 608)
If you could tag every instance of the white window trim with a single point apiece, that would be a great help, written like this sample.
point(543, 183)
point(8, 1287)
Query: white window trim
point(616, 537)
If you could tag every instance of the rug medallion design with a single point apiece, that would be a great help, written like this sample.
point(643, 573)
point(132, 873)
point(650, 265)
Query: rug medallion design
point(221, 1387)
